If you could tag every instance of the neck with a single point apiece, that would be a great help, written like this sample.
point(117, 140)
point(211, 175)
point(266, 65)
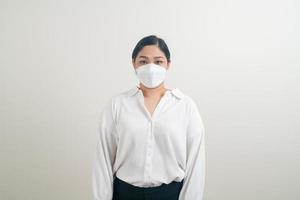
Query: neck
point(150, 92)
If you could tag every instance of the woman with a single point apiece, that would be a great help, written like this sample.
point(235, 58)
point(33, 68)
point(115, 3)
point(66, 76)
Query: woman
point(151, 138)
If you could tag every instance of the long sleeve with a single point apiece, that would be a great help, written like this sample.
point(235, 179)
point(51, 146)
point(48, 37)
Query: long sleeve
point(193, 186)
point(102, 172)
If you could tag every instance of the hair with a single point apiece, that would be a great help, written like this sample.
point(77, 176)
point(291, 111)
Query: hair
point(151, 40)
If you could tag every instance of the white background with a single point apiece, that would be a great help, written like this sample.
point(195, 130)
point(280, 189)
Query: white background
point(60, 62)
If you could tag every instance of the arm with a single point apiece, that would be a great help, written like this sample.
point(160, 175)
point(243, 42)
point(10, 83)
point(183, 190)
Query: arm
point(102, 173)
point(193, 186)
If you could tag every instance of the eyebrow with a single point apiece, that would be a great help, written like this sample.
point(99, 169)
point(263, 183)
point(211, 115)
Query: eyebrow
point(147, 57)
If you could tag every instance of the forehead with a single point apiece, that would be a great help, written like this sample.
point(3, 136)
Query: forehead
point(151, 51)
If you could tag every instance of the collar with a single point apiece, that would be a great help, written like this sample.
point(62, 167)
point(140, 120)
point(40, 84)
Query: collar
point(175, 91)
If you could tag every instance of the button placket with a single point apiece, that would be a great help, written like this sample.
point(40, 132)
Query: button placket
point(149, 148)
point(148, 167)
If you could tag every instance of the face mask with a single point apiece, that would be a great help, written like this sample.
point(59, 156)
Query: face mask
point(151, 75)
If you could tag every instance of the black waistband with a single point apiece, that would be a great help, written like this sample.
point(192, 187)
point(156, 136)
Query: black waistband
point(129, 191)
point(133, 187)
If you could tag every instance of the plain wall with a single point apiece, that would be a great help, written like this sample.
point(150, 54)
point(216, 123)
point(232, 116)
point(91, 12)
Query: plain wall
point(60, 62)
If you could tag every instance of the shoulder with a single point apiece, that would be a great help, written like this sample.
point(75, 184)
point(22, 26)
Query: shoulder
point(120, 96)
point(194, 112)
point(113, 101)
point(185, 97)
point(191, 102)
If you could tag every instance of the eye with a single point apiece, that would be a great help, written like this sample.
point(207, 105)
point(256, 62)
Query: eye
point(142, 62)
point(159, 61)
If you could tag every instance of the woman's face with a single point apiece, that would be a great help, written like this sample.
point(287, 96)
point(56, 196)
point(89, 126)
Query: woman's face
point(151, 54)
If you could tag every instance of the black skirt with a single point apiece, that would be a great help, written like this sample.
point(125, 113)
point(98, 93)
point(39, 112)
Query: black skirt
point(126, 191)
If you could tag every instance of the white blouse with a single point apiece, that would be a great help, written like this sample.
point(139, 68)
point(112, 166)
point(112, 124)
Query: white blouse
point(146, 150)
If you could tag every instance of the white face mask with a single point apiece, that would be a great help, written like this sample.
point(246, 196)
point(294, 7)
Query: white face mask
point(151, 75)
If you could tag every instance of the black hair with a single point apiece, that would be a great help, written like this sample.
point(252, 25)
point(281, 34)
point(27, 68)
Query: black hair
point(151, 40)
